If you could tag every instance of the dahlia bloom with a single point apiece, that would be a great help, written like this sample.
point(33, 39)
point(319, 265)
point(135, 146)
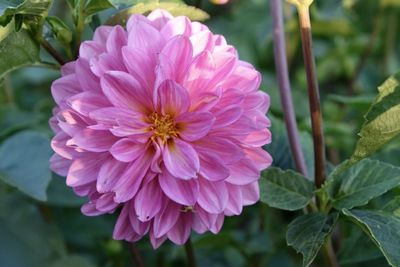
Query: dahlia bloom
point(163, 123)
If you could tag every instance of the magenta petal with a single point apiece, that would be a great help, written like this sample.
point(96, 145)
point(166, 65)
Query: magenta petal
point(89, 209)
point(173, 98)
point(122, 228)
point(157, 242)
point(225, 149)
point(213, 196)
point(86, 102)
point(235, 205)
point(106, 203)
point(127, 150)
point(101, 34)
point(212, 167)
point(110, 171)
point(84, 170)
point(59, 165)
point(94, 140)
point(64, 88)
point(138, 226)
point(124, 91)
point(243, 172)
point(194, 125)
point(159, 18)
point(207, 218)
point(144, 35)
point(179, 234)
point(218, 224)
point(116, 40)
point(181, 159)
point(250, 193)
point(148, 201)
point(177, 26)
point(227, 116)
point(184, 192)
point(166, 219)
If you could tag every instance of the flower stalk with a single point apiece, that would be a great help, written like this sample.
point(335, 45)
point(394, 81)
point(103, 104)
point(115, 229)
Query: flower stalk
point(284, 86)
point(190, 254)
point(313, 91)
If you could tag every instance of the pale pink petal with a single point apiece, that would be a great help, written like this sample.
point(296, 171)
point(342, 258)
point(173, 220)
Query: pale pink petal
point(166, 219)
point(213, 196)
point(148, 201)
point(110, 172)
point(243, 172)
point(101, 34)
point(179, 234)
point(144, 35)
point(127, 150)
point(225, 149)
point(60, 165)
point(184, 192)
point(212, 167)
point(84, 170)
point(250, 193)
point(173, 98)
point(94, 140)
point(181, 159)
point(194, 125)
point(235, 202)
point(227, 116)
point(159, 18)
point(177, 26)
point(86, 102)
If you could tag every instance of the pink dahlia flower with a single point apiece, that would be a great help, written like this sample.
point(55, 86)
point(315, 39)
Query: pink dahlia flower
point(163, 121)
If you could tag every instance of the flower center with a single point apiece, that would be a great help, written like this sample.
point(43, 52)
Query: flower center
point(163, 126)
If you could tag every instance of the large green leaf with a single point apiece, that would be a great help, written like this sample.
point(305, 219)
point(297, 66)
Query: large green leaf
point(60, 30)
point(307, 234)
point(383, 228)
point(26, 238)
point(58, 194)
point(16, 51)
point(358, 184)
point(25, 163)
point(13, 119)
point(393, 206)
point(382, 122)
point(175, 8)
point(285, 190)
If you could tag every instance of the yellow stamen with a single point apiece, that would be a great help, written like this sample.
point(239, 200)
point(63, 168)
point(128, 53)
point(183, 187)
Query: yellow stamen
point(163, 126)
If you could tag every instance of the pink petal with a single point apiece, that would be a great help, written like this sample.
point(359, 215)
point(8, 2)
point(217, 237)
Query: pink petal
point(235, 205)
point(177, 26)
point(84, 170)
point(127, 150)
point(143, 35)
point(250, 193)
point(213, 196)
point(200, 72)
point(94, 140)
point(218, 224)
point(159, 18)
point(261, 158)
point(101, 34)
point(65, 87)
point(138, 226)
point(116, 40)
point(179, 51)
point(122, 228)
point(157, 242)
point(86, 102)
point(68, 68)
point(89, 209)
point(212, 167)
point(227, 116)
point(179, 234)
point(207, 218)
point(181, 159)
point(110, 172)
point(59, 165)
point(124, 91)
point(166, 219)
point(141, 65)
point(148, 201)
point(87, 80)
point(173, 98)
point(194, 125)
point(184, 192)
point(90, 49)
point(225, 149)
point(243, 172)
point(106, 203)
point(258, 138)
point(202, 41)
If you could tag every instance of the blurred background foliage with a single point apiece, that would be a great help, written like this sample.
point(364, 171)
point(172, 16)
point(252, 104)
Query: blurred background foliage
point(356, 47)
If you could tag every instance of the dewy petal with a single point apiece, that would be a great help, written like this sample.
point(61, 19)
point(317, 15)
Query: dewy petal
point(124, 91)
point(166, 219)
point(179, 234)
point(213, 196)
point(127, 150)
point(178, 190)
point(148, 201)
point(181, 159)
point(194, 125)
point(173, 98)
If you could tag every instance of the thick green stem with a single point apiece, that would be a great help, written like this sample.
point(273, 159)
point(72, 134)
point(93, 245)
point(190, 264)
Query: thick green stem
point(329, 253)
point(80, 26)
point(313, 94)
point(47, 46)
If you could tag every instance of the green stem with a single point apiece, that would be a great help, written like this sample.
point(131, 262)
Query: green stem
point(190, 254)
point(80, 26)
point(137, 258)
point(329, 253)
point(313, 94)
point(50, 49)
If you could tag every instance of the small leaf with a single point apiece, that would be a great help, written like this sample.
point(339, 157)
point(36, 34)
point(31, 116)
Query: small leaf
point(383, 228)
point(60, 30)
point(393, 206)
point(307, 234)
point(26, 7)
point(95, 6)
point(176, 9)
point(382, 122)
point(16, 51)
point(285, 190)
point(24, 163)
point(357, 185)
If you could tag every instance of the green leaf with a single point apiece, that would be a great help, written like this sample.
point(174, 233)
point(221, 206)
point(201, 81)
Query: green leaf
point(26, 7)
point(382, 122)
point(176, 9)
point(59, 194)
point(357, 185)
point(94, 6)
point(16, 51)
point(285, 190)
point(13, 119)
point(24, 163)
point(26, 238)
point(383, 228)
point(307, 234)
point(393, 206)
point(60, 30)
